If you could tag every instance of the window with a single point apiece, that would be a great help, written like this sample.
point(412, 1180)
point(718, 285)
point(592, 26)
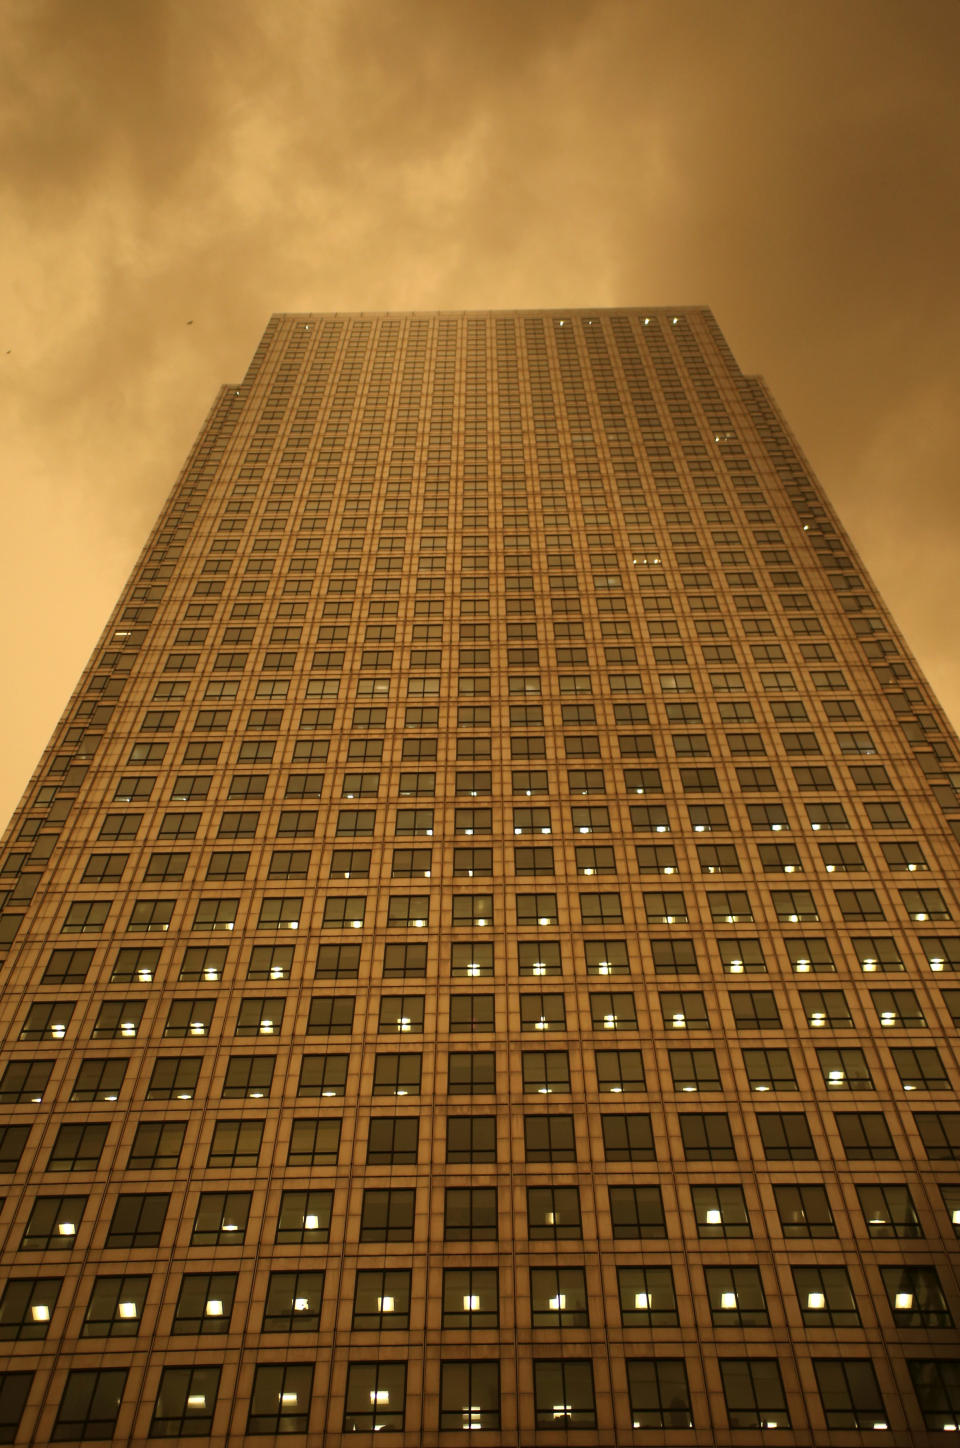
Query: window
point(619, 1072)
point(375, 1397)
point(736, 1298)
point(470, 1297)
point(694, 1071)
point(923, 905)
point(392, 1140)
point(400, 1014)
point(280, 1401)
point(85, 916)
point(381, 1300)
point(14, 1391)
point(785, 1136)
point(472, 1013)
point(656, 859)
point(25, 1081)
point(606, 957)
point(720, 1211)
point(888, 1210)
point(26, 1307)
point(612, 1011)
point(117, 1019)
point(753, 1392)
point(825, 1297)
point(470, 1214)
point(235, 1143)
point(67, 967)
point(471, 1139)
point(90, 1404)
point(469, 1395)
point(115, 1307)
point(137, 1220)
point(558, 1297)
point(769, 1069)
point(387, 1215)
point(77, 1147)
point(304, 1217)
point(915, 1296)
point(865, 1136)
point(659, 1393)
point(796, 905)
point(174, 1078)
point(396, 1074)
point(189, 1018)
point(899, 1008)
point(343, 911)
point(844, 1069)
point(940, 1134)
point(849, 1393)
point(156, 1145)
point(684, 1010)
point(544, 1072)
point(333, 961)
point(563, 1393)
point(637, 1212)
point(293, 1302)
point(878, 952)
point(248, 1077)
point(221, 1219)
point(185, 1402)
point(920, 1068)
point(53, 1224)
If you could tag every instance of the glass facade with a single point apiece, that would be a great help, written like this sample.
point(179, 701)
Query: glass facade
point(477, 951)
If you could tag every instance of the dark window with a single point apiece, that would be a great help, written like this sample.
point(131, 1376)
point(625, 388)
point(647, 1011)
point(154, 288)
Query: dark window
point(785, 1136)
point(387, 1215)
point(707, 1136)
point(470, 1214)
point(471, 1138)
point(637, 1211)
point(137, 1220)
point(392, 1140)
point(90, 1404)
point(314, 1142)
point(156, 1145)
point(865, 1136)
point(77, 1147)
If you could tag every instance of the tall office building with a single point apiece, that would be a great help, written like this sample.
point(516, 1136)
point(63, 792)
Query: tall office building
point(478, 950)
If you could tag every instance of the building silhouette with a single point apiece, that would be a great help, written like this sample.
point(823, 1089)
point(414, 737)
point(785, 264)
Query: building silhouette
point(478, 950)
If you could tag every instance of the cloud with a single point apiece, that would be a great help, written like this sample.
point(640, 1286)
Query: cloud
point(796, 168)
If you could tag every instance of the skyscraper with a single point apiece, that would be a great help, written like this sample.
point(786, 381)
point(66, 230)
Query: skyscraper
point(477, 951)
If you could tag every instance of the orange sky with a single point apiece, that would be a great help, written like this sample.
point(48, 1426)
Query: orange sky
point(794, 164)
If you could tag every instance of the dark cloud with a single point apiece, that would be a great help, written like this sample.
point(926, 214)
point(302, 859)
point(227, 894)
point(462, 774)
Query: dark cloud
point(793, 166)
